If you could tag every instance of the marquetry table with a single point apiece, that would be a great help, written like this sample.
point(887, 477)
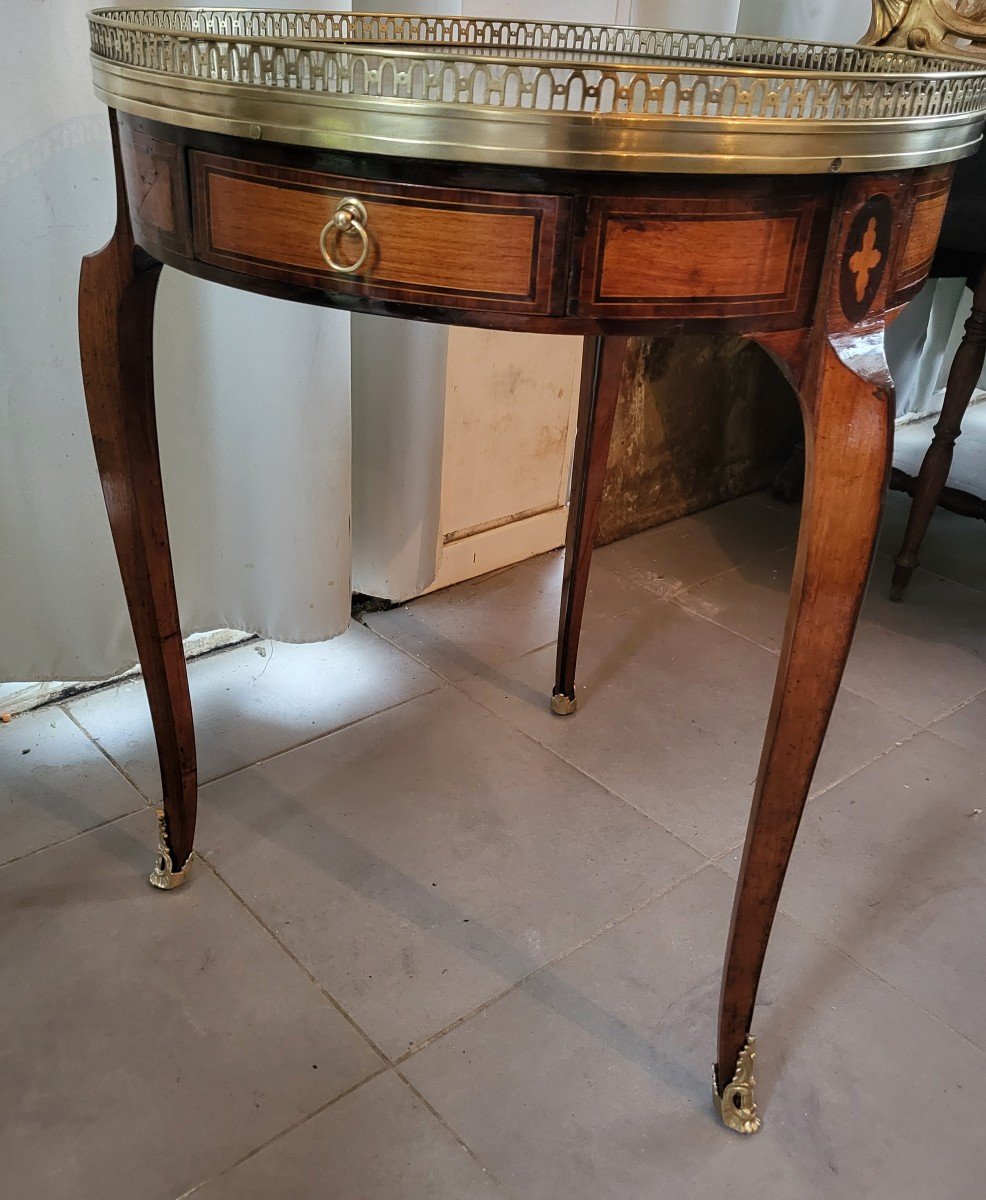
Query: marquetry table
point(551, 178)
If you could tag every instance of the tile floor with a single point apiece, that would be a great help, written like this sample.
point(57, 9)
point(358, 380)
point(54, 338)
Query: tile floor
point(443, 945)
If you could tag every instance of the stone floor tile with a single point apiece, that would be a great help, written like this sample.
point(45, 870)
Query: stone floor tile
point(257, 700)
point(378, 1143)
point(672, 717)
point(918, 659)
point(891, 867)
point(420, 862)
point(54, 783)
point(966, 726)
point(680, 554)
point(592, 1081)
point(148, 1039)
point(477, 624)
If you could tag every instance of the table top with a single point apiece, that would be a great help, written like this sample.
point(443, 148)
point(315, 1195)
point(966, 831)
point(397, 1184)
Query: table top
point(571, 96)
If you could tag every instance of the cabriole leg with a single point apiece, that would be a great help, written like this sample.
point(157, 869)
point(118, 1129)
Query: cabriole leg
point(602, 366)
point(847, 400)
point(116, 312)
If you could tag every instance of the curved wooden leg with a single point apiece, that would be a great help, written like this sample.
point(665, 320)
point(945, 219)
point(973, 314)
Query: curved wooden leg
point(847, 400)
point(963, 376)
point(116, 312)
point(602, 366)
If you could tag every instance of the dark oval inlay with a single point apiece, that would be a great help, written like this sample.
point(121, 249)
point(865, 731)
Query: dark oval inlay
point(864, 259)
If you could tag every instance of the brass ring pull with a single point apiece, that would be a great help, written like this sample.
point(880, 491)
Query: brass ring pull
point(350, 214)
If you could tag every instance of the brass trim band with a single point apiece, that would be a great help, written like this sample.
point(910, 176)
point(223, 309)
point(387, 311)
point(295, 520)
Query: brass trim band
point(537, 94)
point(564, 141)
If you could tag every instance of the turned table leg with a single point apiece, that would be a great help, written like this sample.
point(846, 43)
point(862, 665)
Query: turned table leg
point(602, 366)
point(963, 376)
point(116, 312)
point(847, 400)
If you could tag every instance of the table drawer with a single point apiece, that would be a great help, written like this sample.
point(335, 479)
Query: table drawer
point(423, 245)
point(706, 252)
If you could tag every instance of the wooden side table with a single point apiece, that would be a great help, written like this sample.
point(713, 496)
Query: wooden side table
point(545, 217)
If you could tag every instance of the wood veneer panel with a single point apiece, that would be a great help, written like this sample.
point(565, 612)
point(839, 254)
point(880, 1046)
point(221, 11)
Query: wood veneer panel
point(427, 245)
point(157, 191)
point(930, 200)
point(754, 262)
point(712, 255)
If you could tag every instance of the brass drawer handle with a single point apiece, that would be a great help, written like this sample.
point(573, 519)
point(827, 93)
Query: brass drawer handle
point(350, 214)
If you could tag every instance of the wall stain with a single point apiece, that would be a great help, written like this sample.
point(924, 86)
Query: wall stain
point(701, 419)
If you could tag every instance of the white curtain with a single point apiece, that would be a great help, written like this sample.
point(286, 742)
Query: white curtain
point(255, 396)
point(254, 412)
point(253, 401)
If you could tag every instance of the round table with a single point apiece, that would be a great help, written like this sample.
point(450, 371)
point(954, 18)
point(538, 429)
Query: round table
point(524, 175)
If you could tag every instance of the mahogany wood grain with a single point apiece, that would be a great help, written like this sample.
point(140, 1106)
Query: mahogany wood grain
point(157, 192)
point(967, 366)
point(116, 311)
point(448, 313)
point(492, 250)
point(929, 199)
point(847, 404)
point(602, 368)
point(705, 251)
point(846, 397)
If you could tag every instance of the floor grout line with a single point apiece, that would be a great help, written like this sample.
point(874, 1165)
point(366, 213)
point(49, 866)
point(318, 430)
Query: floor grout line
point(448, 679)
point(842, 952)
point(204, 783)
point(383, 1070)
point(951, 712)
point(618, 919)
point(396, 1062)
point(683, 588)
point(813, 796)
point(72, 837)
point(612, 923)
point(843, 687)
point(457, 685)
point(443, 1121)
point(297, 962)
point(387, 1064)
point(139, 678)
point(676, 600)
point(318, 737)
point(887, 983)
point(102, 749)
point(623, 799)
point(574, 767)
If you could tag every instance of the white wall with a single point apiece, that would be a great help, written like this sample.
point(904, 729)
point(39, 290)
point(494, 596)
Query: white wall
point(713, 15)
point(814, 20)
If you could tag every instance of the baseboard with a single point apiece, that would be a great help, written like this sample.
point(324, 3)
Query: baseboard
point(503, 546)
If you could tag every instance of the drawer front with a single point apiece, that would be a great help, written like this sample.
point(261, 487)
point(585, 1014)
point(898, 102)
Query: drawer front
point(433, 246)
point(703, 255)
